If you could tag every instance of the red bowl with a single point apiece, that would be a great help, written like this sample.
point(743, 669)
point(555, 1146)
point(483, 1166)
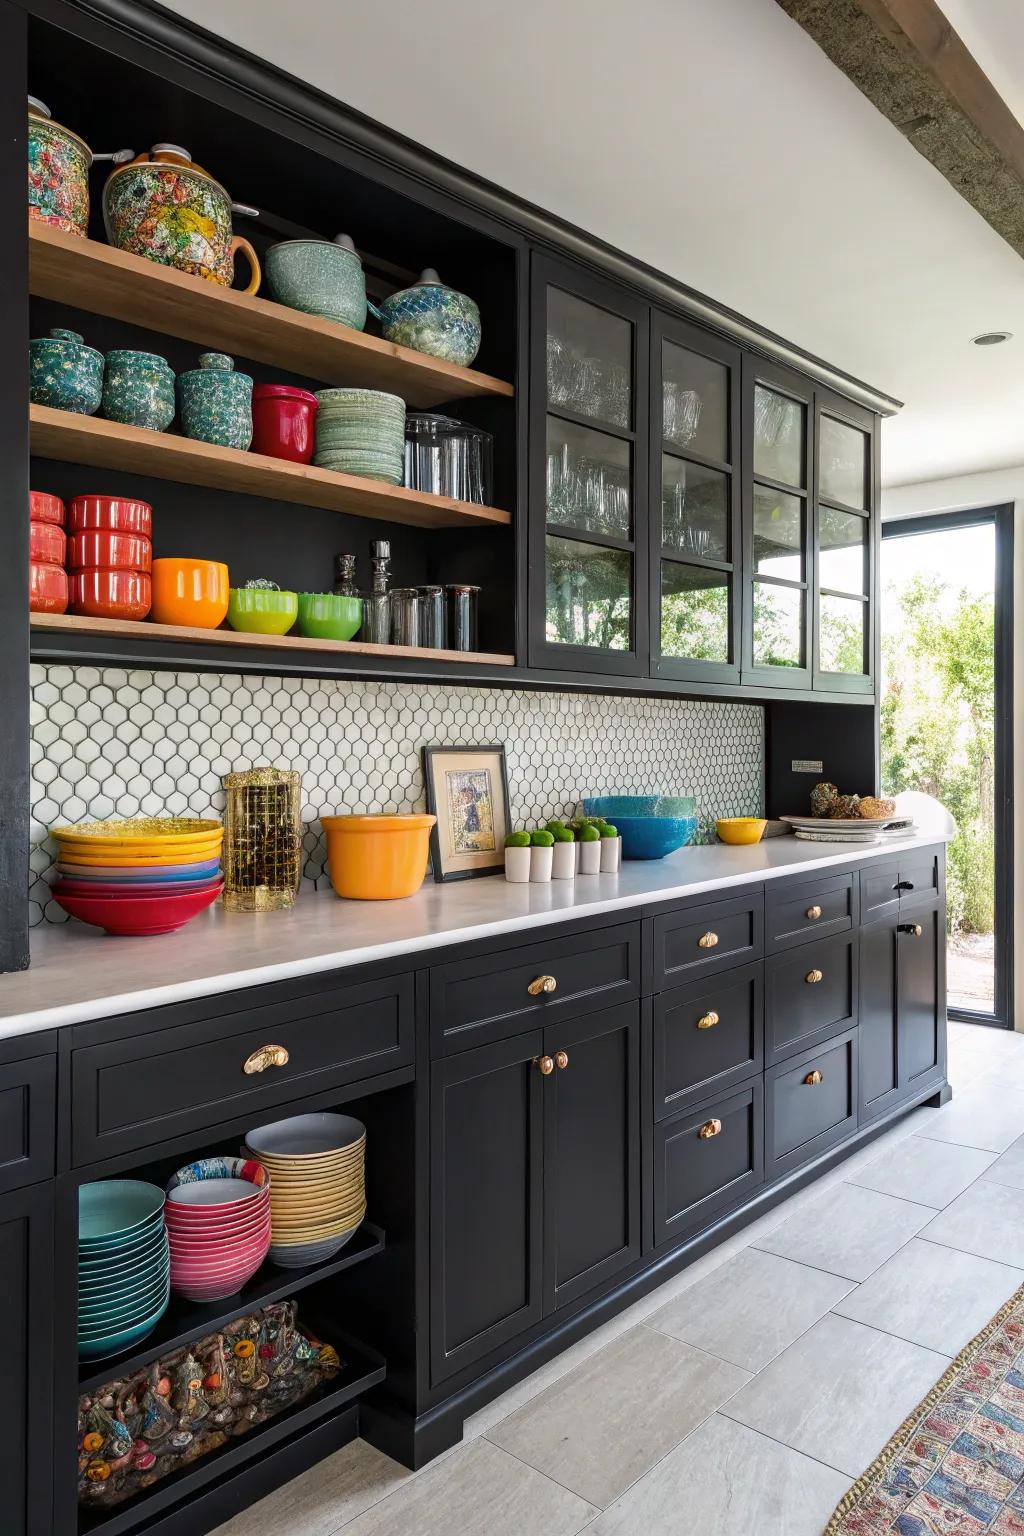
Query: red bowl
point(44, 508)
point(47, 543)
point(120, 513)
point(47, 586)
point(110, 550)
point(111, 594)
point(216, 1269)
point(216, 1245)
point(231, 1276)
point(217, 1224)
point(137, 914)
point(283, 419)
point(76, 887)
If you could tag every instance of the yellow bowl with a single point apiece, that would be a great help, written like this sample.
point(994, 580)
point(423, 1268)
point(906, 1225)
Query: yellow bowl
point(377, 858)
point(143, 829)
point(131, 860)
point(740, 830)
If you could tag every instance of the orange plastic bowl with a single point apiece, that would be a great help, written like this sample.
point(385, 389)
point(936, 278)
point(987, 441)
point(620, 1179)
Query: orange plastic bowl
point(191, 592)
point(377, 858)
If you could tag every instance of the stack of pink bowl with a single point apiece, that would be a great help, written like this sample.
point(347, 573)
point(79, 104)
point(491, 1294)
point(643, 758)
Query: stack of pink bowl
point(218, 1226)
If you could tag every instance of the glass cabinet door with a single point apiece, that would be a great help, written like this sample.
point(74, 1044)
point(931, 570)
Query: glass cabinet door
point(845, 491)
point(694, 517)
point(588, 513)
point(778, 550)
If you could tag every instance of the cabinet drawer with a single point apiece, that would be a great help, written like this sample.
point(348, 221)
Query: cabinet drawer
point(810, 993)
point(919, 878)
point(886, 888)
point(708, 1037)
point(132, 1093)
point(879, 896)
point(815, 910)
point(811, 1103)
point(474, 1002)
point(27, 1109)
point(706, 1160)
point(702, 940)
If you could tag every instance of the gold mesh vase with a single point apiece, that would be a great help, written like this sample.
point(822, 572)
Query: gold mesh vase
point(262, 855)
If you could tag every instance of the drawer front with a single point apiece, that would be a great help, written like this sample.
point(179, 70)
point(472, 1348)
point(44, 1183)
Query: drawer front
point(132, 1093)
point(810, 994)
point(708, 1037)
point(816, 910)
point(811, 1103)
point(27, 1110)
point(703, 940)
point(918, 879)
point(707, 1160)
point(495, 996)
point(879, 895)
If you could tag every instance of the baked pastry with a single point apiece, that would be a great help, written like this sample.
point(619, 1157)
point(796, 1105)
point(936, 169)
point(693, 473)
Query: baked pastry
point(874, 809)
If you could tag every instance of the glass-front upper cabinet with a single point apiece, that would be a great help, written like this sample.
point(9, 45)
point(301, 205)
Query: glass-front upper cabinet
point(588, 551)
point(695, 503)
point(777, 532)
point(844, 544)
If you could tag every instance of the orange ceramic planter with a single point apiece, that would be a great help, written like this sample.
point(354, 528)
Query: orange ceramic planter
point(377, 858)
point(191, 592)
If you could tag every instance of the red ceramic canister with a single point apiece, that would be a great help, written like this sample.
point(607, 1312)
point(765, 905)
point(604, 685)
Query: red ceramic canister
point(283, 419)
point(111, 551)
point(47, 543)
point(119, 514)
point(44, 508)
point(47, 587)
point(111, 594)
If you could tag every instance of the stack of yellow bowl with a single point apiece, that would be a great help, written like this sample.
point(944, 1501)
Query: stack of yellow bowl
point(148, 875)
point(317, 1167)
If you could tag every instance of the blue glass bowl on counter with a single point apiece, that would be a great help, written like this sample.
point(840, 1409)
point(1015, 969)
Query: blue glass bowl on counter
point(650, 826)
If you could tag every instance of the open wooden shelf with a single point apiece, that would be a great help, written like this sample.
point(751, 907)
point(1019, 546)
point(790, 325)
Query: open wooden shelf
point(76, 439)
point(106, 281)
point(69, 623)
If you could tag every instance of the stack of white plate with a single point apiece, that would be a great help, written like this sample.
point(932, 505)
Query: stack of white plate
point(856, 829)
point(317, 1167)
point(361, 432)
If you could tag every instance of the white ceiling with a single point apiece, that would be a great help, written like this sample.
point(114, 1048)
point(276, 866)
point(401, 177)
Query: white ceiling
point(717, 143)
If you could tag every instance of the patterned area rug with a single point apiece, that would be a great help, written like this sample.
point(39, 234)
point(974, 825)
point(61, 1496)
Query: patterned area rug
point(956, 1466)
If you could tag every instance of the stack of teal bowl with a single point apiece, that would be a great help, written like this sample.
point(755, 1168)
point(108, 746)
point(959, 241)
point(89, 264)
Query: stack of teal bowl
point(123, 1265)
point(650, 826)
point(361, 432)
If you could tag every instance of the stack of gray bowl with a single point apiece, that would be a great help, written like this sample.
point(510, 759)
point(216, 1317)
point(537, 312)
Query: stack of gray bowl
point(361, 432)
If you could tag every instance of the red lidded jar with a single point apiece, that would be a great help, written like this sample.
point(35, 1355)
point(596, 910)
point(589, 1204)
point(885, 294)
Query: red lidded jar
point(283, 420)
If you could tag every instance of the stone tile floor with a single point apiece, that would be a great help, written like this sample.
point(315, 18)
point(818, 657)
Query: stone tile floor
point(744, 1395)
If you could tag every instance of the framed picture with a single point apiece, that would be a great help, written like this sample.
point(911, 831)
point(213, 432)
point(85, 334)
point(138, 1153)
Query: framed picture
point(467, 790)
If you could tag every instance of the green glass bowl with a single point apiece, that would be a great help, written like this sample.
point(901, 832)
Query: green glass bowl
point(262, 610)
point(329, 615)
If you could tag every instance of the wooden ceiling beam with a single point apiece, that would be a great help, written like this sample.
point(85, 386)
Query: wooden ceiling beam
point(910, 63)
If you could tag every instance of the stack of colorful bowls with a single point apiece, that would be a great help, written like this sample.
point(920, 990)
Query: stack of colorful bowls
point(317, 1167)
point(218, 1225)
point(110, 556)
point(123, 1265)
point(361, 432)
point(47, 547)
point(138, 877)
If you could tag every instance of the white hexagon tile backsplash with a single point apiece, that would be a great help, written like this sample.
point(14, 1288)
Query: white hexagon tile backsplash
point(106, 742)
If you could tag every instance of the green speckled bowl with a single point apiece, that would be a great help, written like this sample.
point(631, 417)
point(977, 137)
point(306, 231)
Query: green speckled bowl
point(262, 610)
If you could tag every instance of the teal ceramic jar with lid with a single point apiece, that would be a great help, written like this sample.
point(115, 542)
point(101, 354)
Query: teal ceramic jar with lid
point(320, 277)
point(138, 390)
point(216, 402)
point(431, 317)
point(65, 373)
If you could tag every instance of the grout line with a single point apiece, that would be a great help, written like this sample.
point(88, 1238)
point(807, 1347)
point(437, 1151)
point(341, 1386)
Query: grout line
point(786, 1446)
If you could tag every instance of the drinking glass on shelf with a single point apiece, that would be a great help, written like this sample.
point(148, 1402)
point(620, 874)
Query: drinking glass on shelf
point(561, 366)
point(680, 413)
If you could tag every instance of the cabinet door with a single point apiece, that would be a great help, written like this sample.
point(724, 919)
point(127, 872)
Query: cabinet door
point(592, 1225)
point(486, 1209)
point(845, 546)
point(588, 591)
point(695, 503)
point(879, 1033)
point(26, 1284)
point(778, 415)
point(921, 990)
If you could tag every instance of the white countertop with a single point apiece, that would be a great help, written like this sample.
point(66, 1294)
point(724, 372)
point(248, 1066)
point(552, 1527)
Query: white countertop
point(79, 973)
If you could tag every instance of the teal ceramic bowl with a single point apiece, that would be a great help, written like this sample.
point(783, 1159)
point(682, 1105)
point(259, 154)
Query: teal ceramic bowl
point(126, 1308)
point(98, 1346)
point(262, 610)
point(329, 615)
point(96, 1283)
point(94, 1272)
point(112, 1208)
point(116, 1256)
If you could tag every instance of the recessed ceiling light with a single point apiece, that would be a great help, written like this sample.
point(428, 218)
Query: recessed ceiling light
point(991, 338)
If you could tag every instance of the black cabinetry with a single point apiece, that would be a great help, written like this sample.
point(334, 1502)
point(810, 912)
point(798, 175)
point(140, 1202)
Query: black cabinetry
point(26, 1284)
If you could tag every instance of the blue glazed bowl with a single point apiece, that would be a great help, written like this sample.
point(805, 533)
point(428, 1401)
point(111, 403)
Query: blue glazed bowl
point(652, 837)
point(614, 806)
point(96, 1347)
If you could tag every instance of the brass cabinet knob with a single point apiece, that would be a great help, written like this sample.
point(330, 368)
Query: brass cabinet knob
point(266, 1056)
point(708, 940)
point(561, 1059)
point(813, 977)
point(914, 928)
point(707, 1020)
point(813, 1078)
point(814, 913)
point(541, 984)
point(710, 1128)
point(546, 1064)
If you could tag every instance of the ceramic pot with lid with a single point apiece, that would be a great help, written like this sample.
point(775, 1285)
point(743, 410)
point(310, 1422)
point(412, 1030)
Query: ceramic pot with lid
point(58, 172)
point(432, 318)
point(320, 277)
point(65, 373)
point(165, 208)
point(216, 402)
point(138, 390)
point(283, 418)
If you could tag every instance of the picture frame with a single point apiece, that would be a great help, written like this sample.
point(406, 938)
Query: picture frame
point(467, 791)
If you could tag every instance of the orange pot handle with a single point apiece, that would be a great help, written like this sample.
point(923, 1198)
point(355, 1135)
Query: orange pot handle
point(239, 243)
